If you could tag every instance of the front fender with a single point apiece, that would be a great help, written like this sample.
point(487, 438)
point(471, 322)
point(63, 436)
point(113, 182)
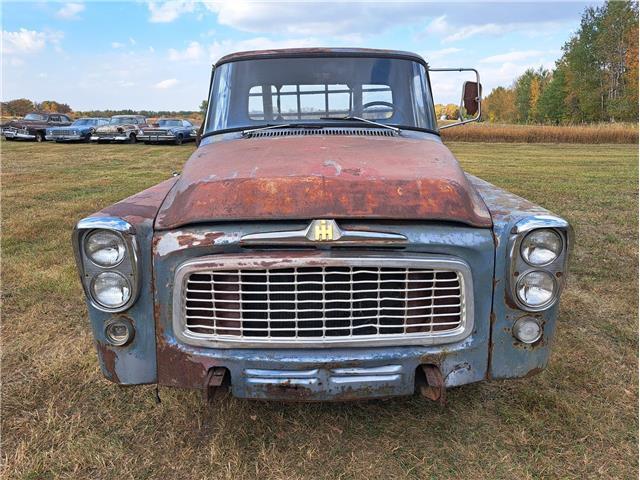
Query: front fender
point(509, 357)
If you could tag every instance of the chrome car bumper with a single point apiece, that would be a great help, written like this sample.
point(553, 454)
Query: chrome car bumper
point(156, 138)
point(64, 138)
point(110, 138)
point(24, 136)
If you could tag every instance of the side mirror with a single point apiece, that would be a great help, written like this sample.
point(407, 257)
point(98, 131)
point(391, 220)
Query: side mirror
point(471, 101)
point(471, 95)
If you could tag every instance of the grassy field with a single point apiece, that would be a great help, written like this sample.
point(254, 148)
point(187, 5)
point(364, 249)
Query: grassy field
point(494, 132)
point(61, 419)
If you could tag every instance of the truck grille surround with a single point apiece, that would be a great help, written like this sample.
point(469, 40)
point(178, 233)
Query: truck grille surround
point(323, 301)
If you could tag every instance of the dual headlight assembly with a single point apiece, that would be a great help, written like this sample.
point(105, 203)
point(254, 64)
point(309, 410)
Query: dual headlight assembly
point(108, 260)
point(538, 268)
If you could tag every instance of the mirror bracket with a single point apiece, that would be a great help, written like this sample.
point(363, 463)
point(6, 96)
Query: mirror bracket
point(478, 98)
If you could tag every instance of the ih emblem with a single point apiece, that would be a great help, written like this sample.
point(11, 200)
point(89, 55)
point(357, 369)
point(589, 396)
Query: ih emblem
point(323, 230)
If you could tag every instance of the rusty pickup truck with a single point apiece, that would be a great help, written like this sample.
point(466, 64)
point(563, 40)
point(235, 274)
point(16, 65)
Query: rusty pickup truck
point(322, 243)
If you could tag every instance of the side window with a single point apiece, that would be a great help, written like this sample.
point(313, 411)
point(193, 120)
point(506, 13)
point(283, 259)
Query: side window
point(54, 118)
point(186, 124)
point(64, 118)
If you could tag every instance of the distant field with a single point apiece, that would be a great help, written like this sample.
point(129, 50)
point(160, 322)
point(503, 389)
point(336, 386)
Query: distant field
point(491, 132)
point(61, 419)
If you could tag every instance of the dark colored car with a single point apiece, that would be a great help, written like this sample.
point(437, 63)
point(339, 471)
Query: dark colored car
point(323, 243)
point(172, 130)
point(33, 126)
point(80, 130)
point(121, 128)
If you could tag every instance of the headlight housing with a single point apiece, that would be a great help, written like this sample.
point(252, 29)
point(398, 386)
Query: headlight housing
point(536, 289)
point(111, 289)
point(105, 248)
point(541, 247)
point(109, 262)
point(538, 248)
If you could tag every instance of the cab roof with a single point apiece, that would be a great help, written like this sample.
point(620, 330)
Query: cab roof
point(319, 52)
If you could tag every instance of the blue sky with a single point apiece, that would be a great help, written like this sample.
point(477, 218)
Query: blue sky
point(158, 55)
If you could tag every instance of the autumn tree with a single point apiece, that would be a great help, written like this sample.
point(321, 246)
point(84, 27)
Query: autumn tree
point(18, 108)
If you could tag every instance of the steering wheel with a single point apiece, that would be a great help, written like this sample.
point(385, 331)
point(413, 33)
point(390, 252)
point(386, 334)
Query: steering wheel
point(378, 103)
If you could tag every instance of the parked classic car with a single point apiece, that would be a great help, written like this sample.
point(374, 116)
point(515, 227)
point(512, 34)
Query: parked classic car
point(174, 130)
point(80, 130)
point(121, 128)
point(322, 243)
point(33, 126)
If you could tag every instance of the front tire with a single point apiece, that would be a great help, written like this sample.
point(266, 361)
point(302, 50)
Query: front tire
point(178, 140)
point(39, 137)
point(132, 138)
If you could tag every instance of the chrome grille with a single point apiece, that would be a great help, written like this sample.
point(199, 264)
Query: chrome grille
point(336, 301)
point(62, 133)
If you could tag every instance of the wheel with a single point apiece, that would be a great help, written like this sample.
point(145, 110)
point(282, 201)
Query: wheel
point(39, 137)
point(132, 138)
point(178, 140)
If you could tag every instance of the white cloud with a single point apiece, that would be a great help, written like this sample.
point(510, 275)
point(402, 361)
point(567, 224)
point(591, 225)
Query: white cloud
point(220, 49)
point(70, 11)
point(132, 41)
point(193, 52)
point(438, 26)
point(164, 84)
point(28, 41)
point(315, 19)
point(117, 45)
point(515, 56)
point(168, 11)
point(440, 54)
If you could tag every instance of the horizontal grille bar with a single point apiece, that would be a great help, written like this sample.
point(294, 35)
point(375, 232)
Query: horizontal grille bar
point(322, 303)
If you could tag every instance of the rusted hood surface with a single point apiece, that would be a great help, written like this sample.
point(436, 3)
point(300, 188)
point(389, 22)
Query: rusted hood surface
point(322, 177)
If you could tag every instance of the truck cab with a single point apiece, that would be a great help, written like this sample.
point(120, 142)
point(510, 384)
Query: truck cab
point(322, 243)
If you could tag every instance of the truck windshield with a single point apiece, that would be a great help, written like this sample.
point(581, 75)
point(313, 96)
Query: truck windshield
point(254, 93)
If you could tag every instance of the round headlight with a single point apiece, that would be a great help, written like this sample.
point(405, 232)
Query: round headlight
point(541, 247)
point(536, 289)
point(111, 289)
point(527, 330)
point(118, 332)
point(105, 248)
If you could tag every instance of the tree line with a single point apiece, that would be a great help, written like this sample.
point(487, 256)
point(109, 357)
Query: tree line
point(595, 80)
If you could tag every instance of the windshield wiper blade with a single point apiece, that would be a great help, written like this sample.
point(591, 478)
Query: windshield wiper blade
point(360, 119)
point(280, 125)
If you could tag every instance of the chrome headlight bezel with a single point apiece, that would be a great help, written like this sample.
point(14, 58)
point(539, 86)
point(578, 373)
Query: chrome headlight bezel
point(129, 267)
point(519, 267)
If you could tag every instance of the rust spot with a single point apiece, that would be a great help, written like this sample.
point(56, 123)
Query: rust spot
point(533, 372)
point(208, 238)
point(141, 206)
point(108, 359)
point(304, 177)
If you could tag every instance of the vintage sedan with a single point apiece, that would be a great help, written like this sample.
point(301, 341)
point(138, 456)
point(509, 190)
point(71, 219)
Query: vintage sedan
point(33, 126)
point(80, 130)
point(169, 130)
point(322, 243)
point(121, 128)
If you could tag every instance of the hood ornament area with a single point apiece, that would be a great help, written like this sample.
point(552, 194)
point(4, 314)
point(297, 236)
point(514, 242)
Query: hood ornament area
point(321, 231)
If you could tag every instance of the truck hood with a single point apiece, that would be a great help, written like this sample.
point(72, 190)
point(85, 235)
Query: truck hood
point(323, 176)
point(115, 128)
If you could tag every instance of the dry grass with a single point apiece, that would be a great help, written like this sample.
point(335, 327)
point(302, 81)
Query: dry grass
point(490, 132)
point(61, 419)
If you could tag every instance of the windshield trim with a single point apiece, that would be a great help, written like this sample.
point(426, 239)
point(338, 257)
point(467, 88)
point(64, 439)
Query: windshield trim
point(343, 124)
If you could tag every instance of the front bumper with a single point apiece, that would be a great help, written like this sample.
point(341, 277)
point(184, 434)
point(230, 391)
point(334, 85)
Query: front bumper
point(22, 136)
point(64, 138)
point(109, 138)
point(156, 138)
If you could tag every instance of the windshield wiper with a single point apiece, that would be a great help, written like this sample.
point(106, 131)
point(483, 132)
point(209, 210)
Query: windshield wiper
point(280, 125)
point(351, 117)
